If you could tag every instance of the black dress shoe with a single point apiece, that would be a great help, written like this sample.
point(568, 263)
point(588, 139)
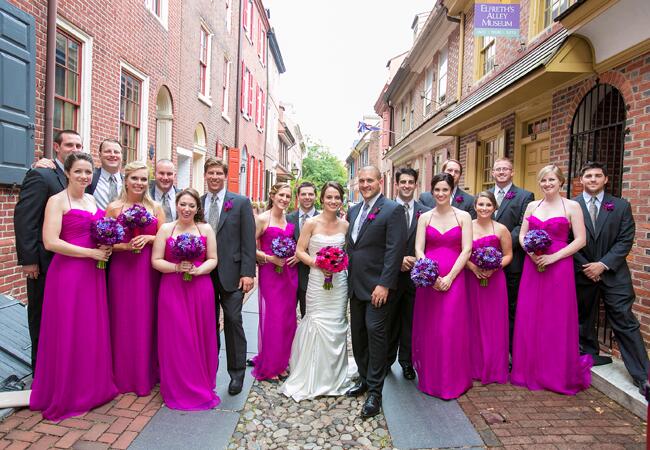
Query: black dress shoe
point(600, 360)
point(408, 372)
point(235, 386)
point(250, 363)
point(357, 389)
point(643, 386)
point(371, 407)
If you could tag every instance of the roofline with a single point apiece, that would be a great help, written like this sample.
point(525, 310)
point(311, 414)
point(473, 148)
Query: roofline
point(275, 51)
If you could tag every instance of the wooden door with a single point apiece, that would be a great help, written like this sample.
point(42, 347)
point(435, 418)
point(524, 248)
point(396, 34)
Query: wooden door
point(536, 156)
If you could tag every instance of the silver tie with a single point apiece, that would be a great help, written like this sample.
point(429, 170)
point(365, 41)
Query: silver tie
point(593, 210)
point(112, 188)
point(500, 196)
point(362, 219)
point(213, 219)
point(406, 214)
point(166, 207)
point(302, 221)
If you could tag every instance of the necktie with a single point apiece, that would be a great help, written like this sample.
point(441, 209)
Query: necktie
point(593, 210)
point(112, 188)
point(213, 219)
point(406, 214)
point(303, 217)
point(166, 207)
point(362, 219)
point(500, 196)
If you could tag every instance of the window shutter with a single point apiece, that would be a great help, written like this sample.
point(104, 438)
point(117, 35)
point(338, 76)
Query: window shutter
point(470, 167)
point(243, 87)
point(233, 169)
point(254, 193)
point(257, 104)
point(263, 120)
point(250, 94)
point(245, 15)
point(501, 144)
point(260, 194)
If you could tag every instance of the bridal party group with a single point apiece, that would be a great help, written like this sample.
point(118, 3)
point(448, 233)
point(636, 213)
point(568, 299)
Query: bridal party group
point(127, 279)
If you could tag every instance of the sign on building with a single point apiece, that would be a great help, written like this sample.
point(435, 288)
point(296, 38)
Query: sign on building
point(499, 18)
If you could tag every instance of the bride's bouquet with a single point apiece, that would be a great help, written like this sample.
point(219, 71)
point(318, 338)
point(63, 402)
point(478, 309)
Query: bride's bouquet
point(283, 247)
point(487, 258)
point(331, 259)
point(187, 247)
point(106, 231)
point(537, 242)
point(135, 218)
point(424, 273)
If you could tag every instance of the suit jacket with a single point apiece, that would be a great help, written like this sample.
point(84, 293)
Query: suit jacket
point(93, 184)
point(303, 270)
point(152, 190)
point(511, 214)
point(38, 186)
point(235, 240)
point(375, 258)
point(609, 242)
point(418, 209)
point(466, 202)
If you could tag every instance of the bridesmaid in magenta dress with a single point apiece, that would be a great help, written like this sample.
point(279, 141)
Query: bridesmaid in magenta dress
point(277, 291)
point(74, 372)
point(545, 351)
point(488, 305)
point(441, 336)
point(187, 341)
point(132, 304)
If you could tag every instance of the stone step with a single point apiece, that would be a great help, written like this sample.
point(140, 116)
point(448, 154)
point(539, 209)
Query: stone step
point(614, 381)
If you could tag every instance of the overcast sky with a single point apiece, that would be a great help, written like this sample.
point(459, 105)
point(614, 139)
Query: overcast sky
point(335, 53)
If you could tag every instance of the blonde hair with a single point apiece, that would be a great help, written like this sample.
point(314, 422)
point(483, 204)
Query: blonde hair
point(131, 167)
point(551, 168)
point(274, 190)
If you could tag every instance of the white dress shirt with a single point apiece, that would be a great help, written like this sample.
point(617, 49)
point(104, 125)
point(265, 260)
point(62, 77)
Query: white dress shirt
point(307, 215)
point(357, 224)
point(208, 201)
point(158, 196)
point(599, 200)
point(411, 206)
point(101, 192)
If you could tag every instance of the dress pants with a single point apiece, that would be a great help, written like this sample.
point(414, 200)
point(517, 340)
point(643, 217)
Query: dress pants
point(400, 331)
point(512, 284)
point(35, 293)
point(302, 301)
point(618, 301)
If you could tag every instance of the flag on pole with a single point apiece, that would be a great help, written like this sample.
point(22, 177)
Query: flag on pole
point(362, 127)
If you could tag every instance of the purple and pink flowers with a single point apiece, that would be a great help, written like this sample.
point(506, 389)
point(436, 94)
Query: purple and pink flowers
point(609, 206)
point(537, 242)
point(283, 247)
point(487, 258)
point(135, 218)
point(424, 273)
point(373, 215)
point(333, 260)
point(106, 231)
point(459, 199)
point(509, 195)
point(227, 205)
point(187, 247)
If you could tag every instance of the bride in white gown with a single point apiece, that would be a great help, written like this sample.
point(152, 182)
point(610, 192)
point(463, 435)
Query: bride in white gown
point(319, 357)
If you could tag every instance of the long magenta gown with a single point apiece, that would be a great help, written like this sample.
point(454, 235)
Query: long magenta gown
point(488, 306)
point(545, 351)
point(187, 340)
point(132, 294)
point(277, 306)
point(74, 372)
point(441, 324)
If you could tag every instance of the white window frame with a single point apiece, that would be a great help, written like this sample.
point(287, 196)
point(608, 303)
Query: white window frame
point(443, 69)
point(206, 98)
point(226, 89)
point(183, 175)
point(229, 16)
point(428, 91)
point(143, 142)
point(246, 90)
point(86, 78)
point(164, 11)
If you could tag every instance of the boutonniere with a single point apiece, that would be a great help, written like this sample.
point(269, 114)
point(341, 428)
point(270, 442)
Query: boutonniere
point(373, 215)
point(509, 195)
point(418, 214)
point(609, 206)
point(459, 199)
point(227, 206)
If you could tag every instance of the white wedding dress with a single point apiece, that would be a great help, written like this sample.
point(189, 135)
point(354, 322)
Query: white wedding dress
point(319, 357)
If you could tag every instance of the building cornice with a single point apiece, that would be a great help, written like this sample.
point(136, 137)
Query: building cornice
point(275, 51)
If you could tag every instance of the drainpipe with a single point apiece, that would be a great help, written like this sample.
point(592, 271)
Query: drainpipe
point(461, 56)
point(239, 75)
point(50, 70)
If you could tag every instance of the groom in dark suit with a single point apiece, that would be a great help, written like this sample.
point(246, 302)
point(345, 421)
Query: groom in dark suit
point(38, 186)
point(306, 194)
point(459, 198)
point(376, 243)
point(401, 327)
point(511, 206)
point(602, 271)
point(231, 218)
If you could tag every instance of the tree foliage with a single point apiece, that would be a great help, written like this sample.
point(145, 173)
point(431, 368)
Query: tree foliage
point(320, 166)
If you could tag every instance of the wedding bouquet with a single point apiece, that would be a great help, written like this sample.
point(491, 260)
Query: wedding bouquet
point(283, 247)
point(424, 273)
point(333, 260)
point(106, 231)
point(537, 242)
point(487, 258)
point(136, 218)
point(187, 247)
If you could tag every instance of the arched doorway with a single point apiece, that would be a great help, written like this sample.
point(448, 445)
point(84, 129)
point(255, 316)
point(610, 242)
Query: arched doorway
point(598, 134)
point(243, 171)
point(164, 122)
point(199, 150)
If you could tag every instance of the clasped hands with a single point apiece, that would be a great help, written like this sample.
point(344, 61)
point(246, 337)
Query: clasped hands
point(541, 261)
point(187, 267)
point(593, 270)
point(101, 253)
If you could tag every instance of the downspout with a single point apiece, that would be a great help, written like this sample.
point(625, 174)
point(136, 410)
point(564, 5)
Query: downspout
point(461, 57)
point(50, 73)
point(266, 115)
point(239, 75)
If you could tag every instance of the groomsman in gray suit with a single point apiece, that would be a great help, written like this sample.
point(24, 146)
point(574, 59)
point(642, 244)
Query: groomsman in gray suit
point(162, 189)
point(459, 198)
point(231, 218)
point(401, 327)
point(306, 194)
point(601, 271)
point(511, 206)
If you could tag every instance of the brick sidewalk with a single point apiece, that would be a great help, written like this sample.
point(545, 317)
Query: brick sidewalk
point(514, 417)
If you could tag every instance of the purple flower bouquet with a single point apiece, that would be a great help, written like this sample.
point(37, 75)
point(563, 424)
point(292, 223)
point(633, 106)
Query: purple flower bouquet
point(537, 242)
point(424, 273)
point(487, 258)
point(283, 247)
point(187, 247)
point(106, 231)
point(136, 218)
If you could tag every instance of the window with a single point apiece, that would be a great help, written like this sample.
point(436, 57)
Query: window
point(159, 9)
point(155, 7)
point(553, 8)
point(428, 91)
point(263, 109)
point(130, 101)
point(199, 151)
point(251, 17)
point(258, 104)
point(442, 76)
point(363, 158)
point(251, 99)
point(67, 90)
point(490, 153)
point(244, 19)
point(412, 113)
point(246, 92)
point(204, 64)
point(403, 119)
point(229, 16)
point(487, 45)
point(225, 87)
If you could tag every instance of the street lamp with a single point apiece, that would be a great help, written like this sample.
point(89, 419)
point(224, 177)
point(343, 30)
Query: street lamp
point(294, 171)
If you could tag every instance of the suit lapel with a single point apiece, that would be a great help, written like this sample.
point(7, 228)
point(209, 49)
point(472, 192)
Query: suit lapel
point(223, 213)
point(414, 220)
point(603, 215)
point(585, 212)
point(506, 201)
point(378, 204)
point(61, 176)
